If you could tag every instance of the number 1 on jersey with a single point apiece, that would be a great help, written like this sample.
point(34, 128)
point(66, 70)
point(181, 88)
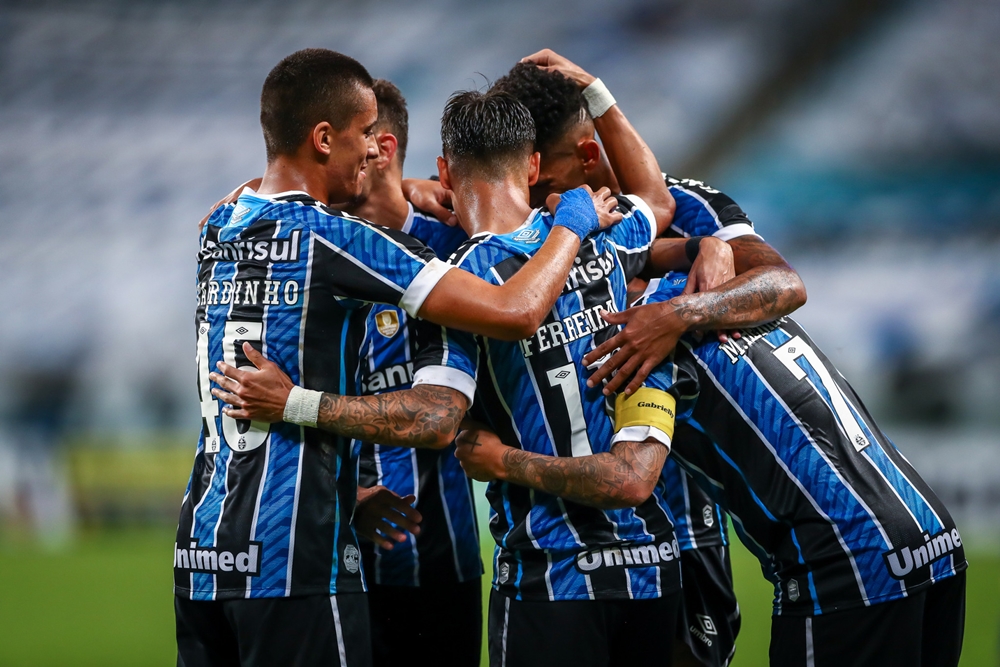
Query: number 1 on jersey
point(565, 379)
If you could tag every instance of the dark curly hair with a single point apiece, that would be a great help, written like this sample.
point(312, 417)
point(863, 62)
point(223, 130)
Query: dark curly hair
point(486, 131)
point(555, 102)
point(392, 114)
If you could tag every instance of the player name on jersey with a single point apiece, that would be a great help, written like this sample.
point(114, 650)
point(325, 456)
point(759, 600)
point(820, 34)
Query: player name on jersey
point(568, 329)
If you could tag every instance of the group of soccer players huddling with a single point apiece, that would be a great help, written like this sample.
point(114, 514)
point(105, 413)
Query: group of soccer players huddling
point(608, 347)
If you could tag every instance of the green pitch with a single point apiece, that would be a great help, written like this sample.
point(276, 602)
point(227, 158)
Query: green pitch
point(107, 602)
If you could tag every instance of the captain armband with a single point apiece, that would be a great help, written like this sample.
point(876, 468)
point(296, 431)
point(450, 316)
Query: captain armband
point(646, 407)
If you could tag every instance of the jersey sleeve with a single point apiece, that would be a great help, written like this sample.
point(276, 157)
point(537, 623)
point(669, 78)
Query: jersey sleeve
point(704, 211)
point(633, 236)
point(380, 265)
point(446, 358)
point(436, 235)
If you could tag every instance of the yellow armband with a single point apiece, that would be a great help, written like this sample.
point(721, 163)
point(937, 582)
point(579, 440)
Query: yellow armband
point(646, 407)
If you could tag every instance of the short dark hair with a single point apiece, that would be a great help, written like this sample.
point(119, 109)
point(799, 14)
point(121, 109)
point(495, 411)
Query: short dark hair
point(304, 89)
point(555, 102)
point(486, 132)
point(392, 114)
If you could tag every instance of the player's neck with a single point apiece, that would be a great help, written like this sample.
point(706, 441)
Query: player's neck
point(385, 204)
point(497, 207)
point(287, 173)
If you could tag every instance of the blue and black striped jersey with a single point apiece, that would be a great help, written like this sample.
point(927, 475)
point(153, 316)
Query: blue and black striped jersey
point(701, 210)
point(268, 507)
point(835, 513)
point(533, 393)
point(699, 522)
point(447, 549)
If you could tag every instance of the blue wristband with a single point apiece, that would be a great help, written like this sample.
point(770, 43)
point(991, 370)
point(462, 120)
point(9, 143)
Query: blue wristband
point(576, 213)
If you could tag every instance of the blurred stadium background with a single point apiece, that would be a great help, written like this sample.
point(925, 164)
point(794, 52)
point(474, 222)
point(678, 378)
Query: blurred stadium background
point(861, 136)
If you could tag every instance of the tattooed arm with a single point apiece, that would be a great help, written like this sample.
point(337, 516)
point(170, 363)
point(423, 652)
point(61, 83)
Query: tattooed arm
point(623, 477)
point(765, 288)
point(425, 416)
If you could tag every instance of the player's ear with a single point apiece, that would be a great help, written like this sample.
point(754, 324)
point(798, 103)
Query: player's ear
point(534, 168)
point(322, 138)
point(387, 147)
point(589, 153)
point(443, 176)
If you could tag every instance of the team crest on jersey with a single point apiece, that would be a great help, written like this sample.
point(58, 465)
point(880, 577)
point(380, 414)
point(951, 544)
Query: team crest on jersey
point(708, 516)
point(387, 323)
point(352, 559)
point(504, 573)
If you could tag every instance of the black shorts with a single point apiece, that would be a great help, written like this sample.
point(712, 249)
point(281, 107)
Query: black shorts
point(309, 630)
point(428, 625)
point(709, 620)
point(581, 633)
point(922, 630)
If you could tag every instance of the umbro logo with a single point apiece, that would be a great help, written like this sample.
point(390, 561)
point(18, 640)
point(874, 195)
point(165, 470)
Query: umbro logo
point(242, 330)
point(562, 374)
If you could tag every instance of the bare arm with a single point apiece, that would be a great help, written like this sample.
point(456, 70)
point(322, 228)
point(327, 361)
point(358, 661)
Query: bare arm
point(651, 332)
point(631, 159)
point(514, 310)
point(426, 416)
point(622, 477)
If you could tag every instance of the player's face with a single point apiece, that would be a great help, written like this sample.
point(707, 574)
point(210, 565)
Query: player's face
point(351, 149)
point(561, 169)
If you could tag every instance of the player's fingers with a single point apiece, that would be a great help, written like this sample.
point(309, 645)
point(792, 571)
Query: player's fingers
point(230, 371)
point(618, 318)
point(255, 357)
point(723, 338)
point(639, 377)
point(223, 381)
point(227, 398)
point(692, 283)
point(608, 368)
point(236, 413)
point(621, 376)
point(604, 349)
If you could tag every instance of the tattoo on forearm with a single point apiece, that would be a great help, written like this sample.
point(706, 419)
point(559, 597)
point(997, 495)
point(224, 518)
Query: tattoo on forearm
point(410, 418)
point(757, 296)
point(619, 478)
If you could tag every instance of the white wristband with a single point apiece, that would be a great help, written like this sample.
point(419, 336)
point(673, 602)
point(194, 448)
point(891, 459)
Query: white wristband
point(302, 407)
point(598, 98)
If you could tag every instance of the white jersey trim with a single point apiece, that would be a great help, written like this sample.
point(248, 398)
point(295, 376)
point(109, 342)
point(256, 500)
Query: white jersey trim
point(734, 231)
point(641, 434)
point(644, 208)
point(425, 281)
point(445, 376)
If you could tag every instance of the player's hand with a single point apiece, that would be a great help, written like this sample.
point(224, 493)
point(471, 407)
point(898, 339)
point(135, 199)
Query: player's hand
point(253, 184)
point(259, 395)
point(651, 333)
point(480, 450)
point(604, 203)
point(551, 61)
point(430, 196)
point(712, 267)
point(384, 517)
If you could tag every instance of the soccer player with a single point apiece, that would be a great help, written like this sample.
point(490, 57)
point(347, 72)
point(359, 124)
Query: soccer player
point(867, 564)
point(562, 567)
point(424, 593)
point(561, 99)
point(266, 566)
